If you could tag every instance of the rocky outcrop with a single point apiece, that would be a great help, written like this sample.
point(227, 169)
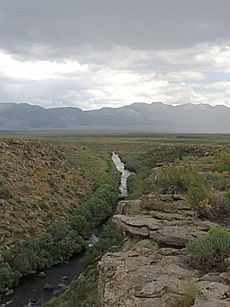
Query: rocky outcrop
point(144, 277)
point(153, 269)
point(168, 220)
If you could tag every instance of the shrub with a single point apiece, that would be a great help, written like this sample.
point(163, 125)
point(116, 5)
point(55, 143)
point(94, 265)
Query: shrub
point(215, 181)
point(209, 253)
point(110, 236)
point(188, 298)
point(4, 192)
point(197, 192)
point(224, 162)
point(83, 289)
point(207, 195)
point(177, 176)
point(6, 276)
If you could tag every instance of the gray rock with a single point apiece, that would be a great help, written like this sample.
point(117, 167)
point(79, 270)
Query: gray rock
point(41, 274)
point(142, 273)
point(8, 292)
point(48, 286)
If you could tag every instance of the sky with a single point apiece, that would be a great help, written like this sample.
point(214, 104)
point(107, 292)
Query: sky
point(96, 53)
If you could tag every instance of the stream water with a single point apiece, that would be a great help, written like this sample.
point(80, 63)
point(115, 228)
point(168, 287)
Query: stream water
point(124, 174)
point(31, 292)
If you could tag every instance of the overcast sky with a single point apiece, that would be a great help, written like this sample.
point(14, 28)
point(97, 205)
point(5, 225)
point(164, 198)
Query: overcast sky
point(95, 53)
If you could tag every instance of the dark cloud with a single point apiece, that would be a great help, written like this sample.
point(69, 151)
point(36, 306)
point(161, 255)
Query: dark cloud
point(134, 50)
point(57, 28)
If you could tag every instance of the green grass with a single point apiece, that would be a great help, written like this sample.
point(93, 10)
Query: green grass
point(89, 137)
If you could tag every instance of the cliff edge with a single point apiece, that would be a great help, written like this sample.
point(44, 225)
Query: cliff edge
point(153, 268)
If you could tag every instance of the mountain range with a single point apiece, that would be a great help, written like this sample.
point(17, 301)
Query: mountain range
point(137, 117)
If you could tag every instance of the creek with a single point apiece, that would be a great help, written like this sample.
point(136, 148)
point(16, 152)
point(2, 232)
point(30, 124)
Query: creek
point(31, 292)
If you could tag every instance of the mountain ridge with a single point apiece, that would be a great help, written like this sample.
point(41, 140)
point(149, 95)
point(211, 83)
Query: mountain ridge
point(136, 117)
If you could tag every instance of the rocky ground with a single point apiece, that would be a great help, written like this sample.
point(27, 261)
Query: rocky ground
point(153, 269)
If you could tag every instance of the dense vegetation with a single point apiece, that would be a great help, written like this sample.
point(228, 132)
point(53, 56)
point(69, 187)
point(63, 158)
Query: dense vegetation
point(205, 181)
point(144, 159)
point(83, 290)
point(62, 239)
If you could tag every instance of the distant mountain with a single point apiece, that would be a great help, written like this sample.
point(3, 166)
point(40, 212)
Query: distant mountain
point(137, 117)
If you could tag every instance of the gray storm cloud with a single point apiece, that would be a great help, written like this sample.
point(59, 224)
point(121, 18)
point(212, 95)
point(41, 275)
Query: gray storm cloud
point(94, 53)
point(57, 27)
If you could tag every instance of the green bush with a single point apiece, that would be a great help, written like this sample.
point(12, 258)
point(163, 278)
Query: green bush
point(209, 253)
point(215, 181)
point(110, 236)
point(63, 239)
point(224, 161)
point(177, 176)
point(143, 160)
point(4, 192)
point(208, 194)
point(6, 276)
point(83, 289)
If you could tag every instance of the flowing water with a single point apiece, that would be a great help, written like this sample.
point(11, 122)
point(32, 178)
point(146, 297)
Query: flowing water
point(124, 174)
point(30, 292)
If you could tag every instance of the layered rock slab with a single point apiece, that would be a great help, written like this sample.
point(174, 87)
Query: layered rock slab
point(143, 277)
point(144, 273)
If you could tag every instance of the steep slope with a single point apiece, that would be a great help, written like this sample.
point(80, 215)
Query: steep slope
point(38, 186)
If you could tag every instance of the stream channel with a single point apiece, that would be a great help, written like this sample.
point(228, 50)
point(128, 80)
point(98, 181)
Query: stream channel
point(31, 292)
